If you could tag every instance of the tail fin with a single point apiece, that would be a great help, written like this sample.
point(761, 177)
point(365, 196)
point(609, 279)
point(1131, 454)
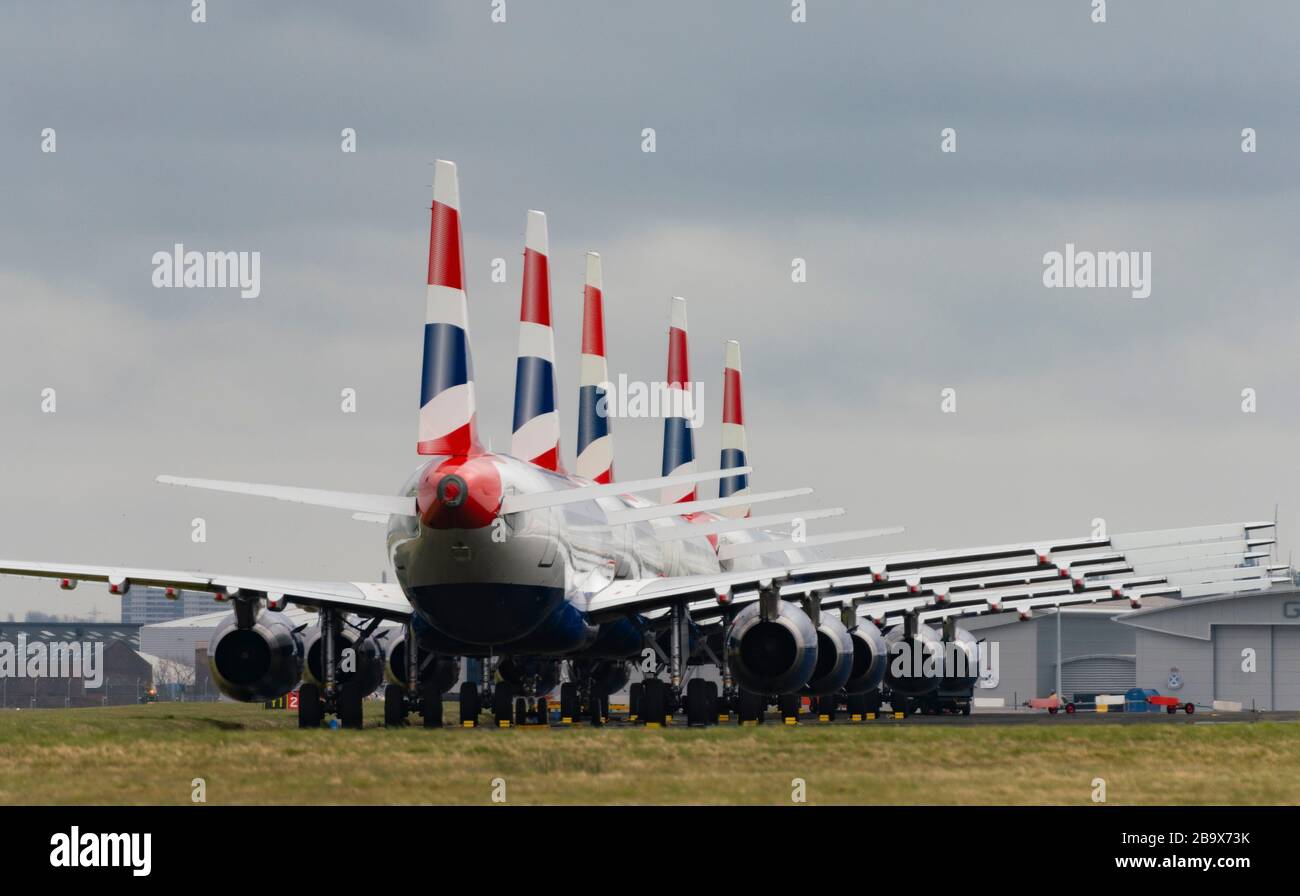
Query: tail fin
point(734, 445)
point(679, 438)
point(447, 414)
point(537, 424)
point(595, 442)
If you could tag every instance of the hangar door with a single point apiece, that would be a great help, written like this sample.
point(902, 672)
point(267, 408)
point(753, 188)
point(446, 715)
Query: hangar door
point(1286, 666)
point(1243, 665)
point(1098, 675)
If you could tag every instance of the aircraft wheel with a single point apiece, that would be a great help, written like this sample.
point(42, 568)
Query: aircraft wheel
point(431, 707)
point(715, 708)
point(521, 711)
point(310, 710)
point(634, 692)
point(857, 706)
point(965, 708)
point(788, 704)
point(394, 706)
point(697, 702)
point(1189, 708)
point(653, 701)
point(569, 701)
point(350, 712)
point(598, 707)
point(752, 707)
point(503, 701)
point(543, 712)
point(469, 703)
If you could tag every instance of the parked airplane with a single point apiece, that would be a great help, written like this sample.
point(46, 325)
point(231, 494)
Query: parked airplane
point(546, 574)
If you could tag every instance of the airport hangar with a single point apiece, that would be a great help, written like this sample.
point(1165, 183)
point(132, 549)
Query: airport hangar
point(1242, 647)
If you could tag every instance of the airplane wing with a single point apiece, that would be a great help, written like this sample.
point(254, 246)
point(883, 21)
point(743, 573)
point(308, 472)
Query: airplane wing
point(374, 599)
point(974, 579)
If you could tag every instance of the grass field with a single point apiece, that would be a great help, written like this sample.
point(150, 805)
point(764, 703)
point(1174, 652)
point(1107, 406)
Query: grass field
point(250, 755)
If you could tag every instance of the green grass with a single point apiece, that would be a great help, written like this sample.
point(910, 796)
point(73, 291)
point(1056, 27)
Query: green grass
point(249, 755)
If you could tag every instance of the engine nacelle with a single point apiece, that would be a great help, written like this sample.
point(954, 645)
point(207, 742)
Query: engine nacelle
point(440, 674)
point(834, 658)
point(914, 667)
point(367, 668)
point(869, 658)
point(774, 656)
point(961, 661)
point(261, 662)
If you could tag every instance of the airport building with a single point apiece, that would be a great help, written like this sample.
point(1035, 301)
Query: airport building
point(1243, 648)
point(50, 665)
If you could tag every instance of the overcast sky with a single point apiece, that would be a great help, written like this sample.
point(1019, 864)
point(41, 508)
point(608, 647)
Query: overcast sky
point(775, 140)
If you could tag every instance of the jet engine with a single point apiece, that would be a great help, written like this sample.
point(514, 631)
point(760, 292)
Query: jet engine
point(367, 668)
point(869, 657)
point(441, 673)
point(834, 658)
point(960, 661)
point(261, 662)
point(775, 656)
point(532, 676)
point(914, 665)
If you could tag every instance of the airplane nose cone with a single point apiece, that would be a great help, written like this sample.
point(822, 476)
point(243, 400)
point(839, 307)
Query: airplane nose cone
point(460, 493)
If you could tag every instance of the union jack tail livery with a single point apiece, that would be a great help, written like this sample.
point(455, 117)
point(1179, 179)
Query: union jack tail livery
point(447, 416)
point(595, 442)
point(537, 424)
point(679, 438)
point(735, 448)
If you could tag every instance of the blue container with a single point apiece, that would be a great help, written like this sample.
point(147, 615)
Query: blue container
point(1135, 700)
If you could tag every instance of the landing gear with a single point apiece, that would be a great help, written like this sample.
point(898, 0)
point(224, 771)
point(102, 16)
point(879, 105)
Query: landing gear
point(431, 708)
point(543, 711)
point(788, 704)
point(597, 706)
point(654, 702)
point(752, 707)
point(350, 710)
point(697, 703)
point(311, 710)
point(394, 706)
point(469, 704)
point(716, 712)
point(825, 708)
point(568, 703)
point(634, 696)
point(857, 707)
point(521, 711)
point(503, 699)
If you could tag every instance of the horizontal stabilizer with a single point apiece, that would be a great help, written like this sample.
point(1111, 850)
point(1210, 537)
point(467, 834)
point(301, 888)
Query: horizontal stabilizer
point(522, 503)
point(751, 548)
point(355, 501)
point(699, 530)
point(682, 508)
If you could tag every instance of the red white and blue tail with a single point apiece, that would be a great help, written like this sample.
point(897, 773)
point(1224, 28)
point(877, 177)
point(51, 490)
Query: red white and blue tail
point(735, 448)
point(447, 413)
point(595, 441)
point(679, 438)
point(537, 424)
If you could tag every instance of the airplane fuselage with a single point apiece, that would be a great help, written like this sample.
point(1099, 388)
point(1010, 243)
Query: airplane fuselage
point(519, 583)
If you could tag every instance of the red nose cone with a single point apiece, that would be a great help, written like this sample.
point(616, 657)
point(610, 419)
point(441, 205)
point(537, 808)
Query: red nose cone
point(459, 493)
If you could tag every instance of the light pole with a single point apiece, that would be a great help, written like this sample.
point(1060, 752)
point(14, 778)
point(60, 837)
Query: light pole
point(1060, 698)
